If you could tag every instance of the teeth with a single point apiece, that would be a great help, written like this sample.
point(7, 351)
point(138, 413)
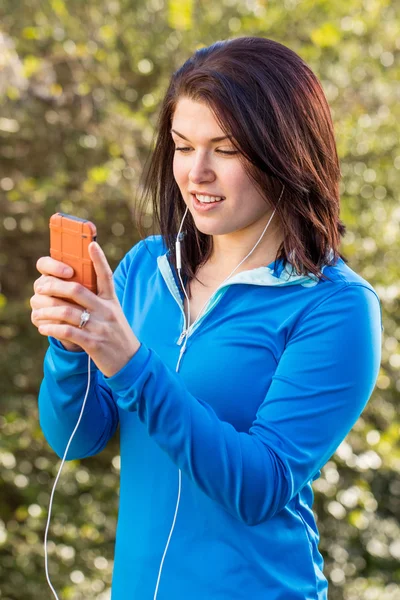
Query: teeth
point(208, 199)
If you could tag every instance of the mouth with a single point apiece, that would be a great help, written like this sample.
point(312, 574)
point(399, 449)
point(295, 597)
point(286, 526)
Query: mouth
point(202, 204)
point(206, 199)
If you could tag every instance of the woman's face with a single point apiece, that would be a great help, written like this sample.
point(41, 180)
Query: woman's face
point(207, 164)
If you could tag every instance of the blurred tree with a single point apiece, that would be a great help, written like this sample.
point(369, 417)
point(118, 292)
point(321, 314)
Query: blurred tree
point(80, 84)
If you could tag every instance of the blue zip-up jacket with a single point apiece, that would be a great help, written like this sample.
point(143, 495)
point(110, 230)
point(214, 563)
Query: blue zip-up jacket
point(272, 378)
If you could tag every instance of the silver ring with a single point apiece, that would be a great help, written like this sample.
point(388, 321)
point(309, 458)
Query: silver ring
point(85, 316)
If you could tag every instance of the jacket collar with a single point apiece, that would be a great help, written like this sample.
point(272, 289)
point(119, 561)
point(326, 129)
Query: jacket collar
point(271, 275)
point(265, 276)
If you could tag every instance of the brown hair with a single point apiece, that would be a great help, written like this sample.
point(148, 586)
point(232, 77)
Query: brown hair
point(271, 103)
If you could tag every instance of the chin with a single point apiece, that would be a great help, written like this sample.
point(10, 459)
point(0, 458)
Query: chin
point(210, 229)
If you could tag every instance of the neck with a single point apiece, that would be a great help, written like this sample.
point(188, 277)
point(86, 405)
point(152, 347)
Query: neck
point(229, 250)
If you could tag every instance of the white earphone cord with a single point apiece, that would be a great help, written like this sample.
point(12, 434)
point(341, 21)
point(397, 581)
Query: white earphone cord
point(230, 274)
point(56, 480)
point(179, 267)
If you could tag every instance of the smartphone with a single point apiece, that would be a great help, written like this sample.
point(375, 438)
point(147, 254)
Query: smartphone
point(69, 241)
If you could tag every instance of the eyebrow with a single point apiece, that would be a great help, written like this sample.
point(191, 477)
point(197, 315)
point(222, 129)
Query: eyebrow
point(216, 139)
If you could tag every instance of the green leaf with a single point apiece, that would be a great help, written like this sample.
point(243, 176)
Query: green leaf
point(31, 65)
point(180, 14)
point(325, 36)
point(99, 174)
point(3, 301)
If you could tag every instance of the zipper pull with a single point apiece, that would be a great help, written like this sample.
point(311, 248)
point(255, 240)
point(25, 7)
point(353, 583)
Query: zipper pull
point(180, 340)
point(181, 353)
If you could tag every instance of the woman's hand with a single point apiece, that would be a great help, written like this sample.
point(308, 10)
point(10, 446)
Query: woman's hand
point(107, 337)
point(50, 266)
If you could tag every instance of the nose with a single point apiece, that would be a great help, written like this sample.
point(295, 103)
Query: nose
point(201, 170)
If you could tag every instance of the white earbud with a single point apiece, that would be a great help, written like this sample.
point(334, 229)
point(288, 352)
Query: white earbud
point(179, 237)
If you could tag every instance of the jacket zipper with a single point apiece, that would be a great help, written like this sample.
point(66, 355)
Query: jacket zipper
point(180, 340)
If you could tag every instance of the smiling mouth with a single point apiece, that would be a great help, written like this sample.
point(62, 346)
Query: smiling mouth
point(207, 199)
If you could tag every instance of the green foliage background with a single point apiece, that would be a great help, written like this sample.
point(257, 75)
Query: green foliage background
point(80, 83)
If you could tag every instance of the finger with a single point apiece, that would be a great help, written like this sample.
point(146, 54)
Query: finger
point(105, 283)
point(49, 266)
point(37, 323)
point(38, 282)
point(64, 314)
point(73, 291)
point(41, 301)
point(65, 332)
point(41, 281)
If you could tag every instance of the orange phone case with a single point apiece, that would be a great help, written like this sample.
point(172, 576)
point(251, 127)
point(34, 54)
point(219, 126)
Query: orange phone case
point(69, 241)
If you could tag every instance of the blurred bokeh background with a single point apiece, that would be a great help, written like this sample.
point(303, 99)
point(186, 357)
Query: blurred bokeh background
point(80, 85)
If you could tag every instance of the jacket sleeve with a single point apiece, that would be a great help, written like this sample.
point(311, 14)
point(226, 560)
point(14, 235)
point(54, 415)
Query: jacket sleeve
point(322, 382)
point(63, 390)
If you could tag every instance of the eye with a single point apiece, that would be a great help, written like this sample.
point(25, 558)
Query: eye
point(229, 152)
point(186, 149)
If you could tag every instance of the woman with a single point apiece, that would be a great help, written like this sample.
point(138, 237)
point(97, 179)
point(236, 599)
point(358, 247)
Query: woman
point(234, 362)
